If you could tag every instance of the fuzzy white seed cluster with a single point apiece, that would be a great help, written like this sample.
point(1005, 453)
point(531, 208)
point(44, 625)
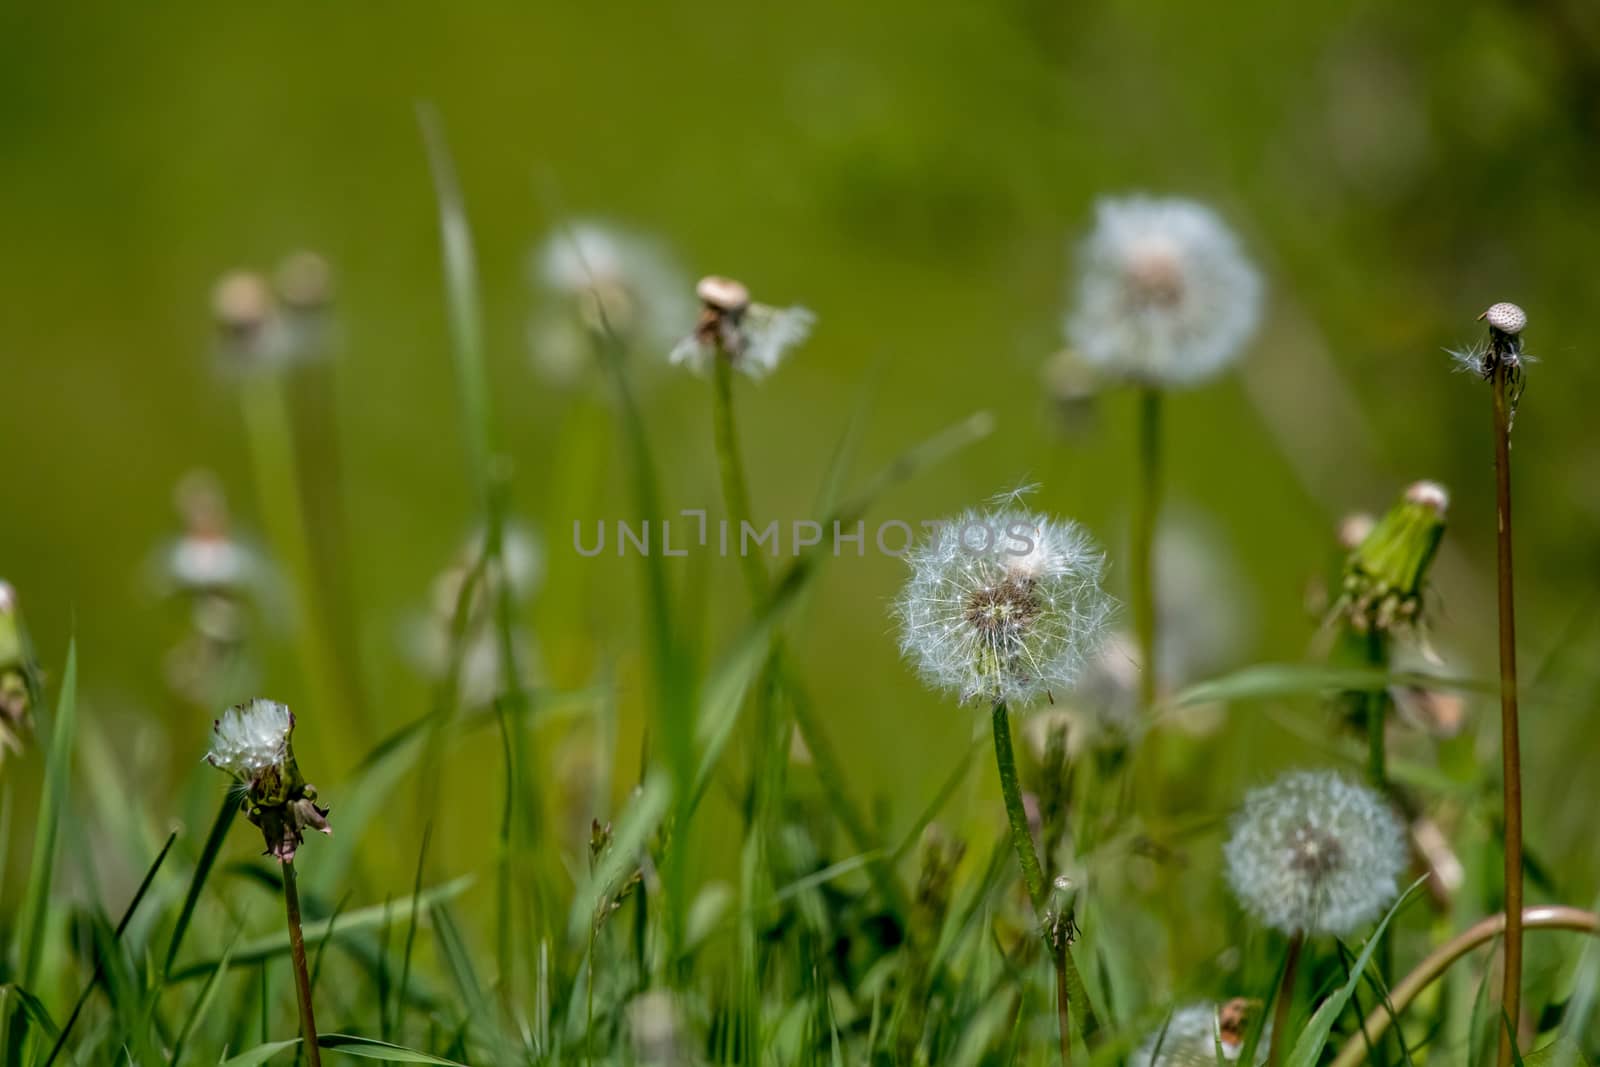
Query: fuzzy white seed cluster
point(596, 278)
point(1003, 605)
point(250, 739)
point(1191, 1038)
point(754, 336)
point(1165, 295)
point(1315, 853)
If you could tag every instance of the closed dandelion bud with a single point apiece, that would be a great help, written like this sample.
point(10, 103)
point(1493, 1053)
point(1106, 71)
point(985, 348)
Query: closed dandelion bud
point(1384, 576)
point(304, 282)
point(252, 743)
point(1003, 605)
point(15, 670)
point(1165, 296)
point(241, 302)
point(1195, 1033)
point(753, 337)
point(1314, 853)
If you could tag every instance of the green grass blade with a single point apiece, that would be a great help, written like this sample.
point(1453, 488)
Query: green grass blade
point(202, 871)
point(1308, 1049)
point(1271, 681)
point(371, 1049)
point(35, 914)
point(260, 1054)
point(275, 945)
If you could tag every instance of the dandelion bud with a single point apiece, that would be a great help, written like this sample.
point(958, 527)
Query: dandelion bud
point(252, 743)
point(1315, 854)
point(1384, 575)
point(1191, 1037)
point(304, 281)
point(15, 702)
point(754, 337)
point(1165, 296)
point(242, 302)
point(1003, 605)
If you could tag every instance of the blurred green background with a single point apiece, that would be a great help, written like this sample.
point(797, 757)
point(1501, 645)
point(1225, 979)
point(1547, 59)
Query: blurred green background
point(916, 174)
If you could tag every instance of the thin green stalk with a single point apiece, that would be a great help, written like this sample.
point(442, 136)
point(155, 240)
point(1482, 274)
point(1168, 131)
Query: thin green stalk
point(302, 978)
point(1510, 733)
point(1067, 977)
point(270, 438)
point(1284, 1003)
point(735, 487)
point(1143, 577)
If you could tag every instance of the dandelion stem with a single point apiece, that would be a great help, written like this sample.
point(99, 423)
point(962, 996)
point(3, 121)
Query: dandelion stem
point(1510, 739)
point(735, 489)
point(1284, 1004)
point(1445, 956)
point(302, 979)
point(1144, 536)
point(1069, 984)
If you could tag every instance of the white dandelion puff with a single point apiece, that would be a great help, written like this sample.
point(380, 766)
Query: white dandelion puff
point(1314, 853)
point(1003, 605)
point(251, 739)
point(1192, 1036)
point(755, 337)
point(1165, 295)
point(595, 278)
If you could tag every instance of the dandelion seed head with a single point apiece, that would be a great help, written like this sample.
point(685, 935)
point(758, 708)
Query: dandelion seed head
point(755, 337)
point(1315, 853)
point(1003, 605)
point(596, 278)
point(1165, 295)
point(8, 598)
point(251, 739)
point(1506, 317)
point(1193, 1034)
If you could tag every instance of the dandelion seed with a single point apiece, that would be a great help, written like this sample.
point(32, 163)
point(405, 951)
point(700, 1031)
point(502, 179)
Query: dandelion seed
point(1191, 1037)
point(1165, 295)
point(252, 743)
point(1314, 853)
point(596, 279)
point(1003, 605)
point(755, 337)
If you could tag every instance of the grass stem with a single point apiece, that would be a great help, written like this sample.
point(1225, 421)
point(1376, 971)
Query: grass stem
point(1283, 1004)
point(1143, 577)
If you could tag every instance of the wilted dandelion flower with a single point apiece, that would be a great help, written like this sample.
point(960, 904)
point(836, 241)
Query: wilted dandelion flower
point(1003, 605)
point(1165, 295)
point(252, 743)
point(1314, 853)
point(754, 337)
point(597, 279)
point(1194, 1034)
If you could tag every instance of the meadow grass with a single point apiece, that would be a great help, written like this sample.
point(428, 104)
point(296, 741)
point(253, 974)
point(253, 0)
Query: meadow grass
point(1061, 936)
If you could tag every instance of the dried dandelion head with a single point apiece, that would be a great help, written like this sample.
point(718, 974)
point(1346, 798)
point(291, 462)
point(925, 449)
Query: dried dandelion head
point(1314, 853)
point(252, 743)
point(753, 337)
point(1003, 605)
point(1165, 295)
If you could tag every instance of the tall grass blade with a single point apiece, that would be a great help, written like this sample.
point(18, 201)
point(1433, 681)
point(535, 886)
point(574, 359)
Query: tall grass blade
point(371, 1049)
